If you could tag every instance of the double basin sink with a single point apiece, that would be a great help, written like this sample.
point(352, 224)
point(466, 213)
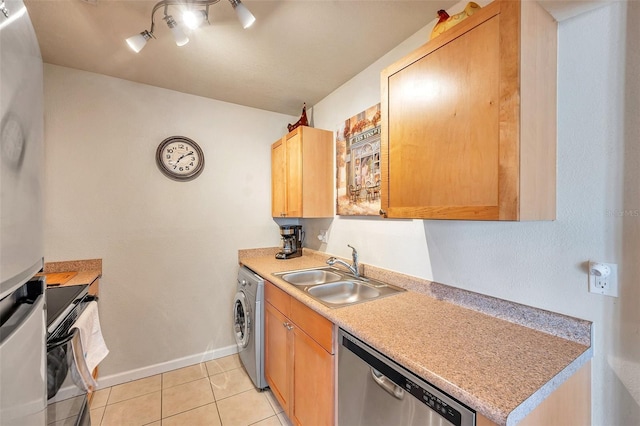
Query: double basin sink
point(334, 288)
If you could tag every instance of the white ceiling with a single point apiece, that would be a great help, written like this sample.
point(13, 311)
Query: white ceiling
point(297, 51)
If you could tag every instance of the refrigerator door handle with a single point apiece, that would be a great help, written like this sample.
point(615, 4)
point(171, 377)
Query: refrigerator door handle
point(19, 317)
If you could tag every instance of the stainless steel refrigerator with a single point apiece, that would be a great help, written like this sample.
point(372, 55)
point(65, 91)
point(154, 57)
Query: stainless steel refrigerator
point(23, 366)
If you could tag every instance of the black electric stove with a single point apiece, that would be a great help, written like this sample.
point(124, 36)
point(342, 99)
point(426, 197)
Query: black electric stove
point(61, 301)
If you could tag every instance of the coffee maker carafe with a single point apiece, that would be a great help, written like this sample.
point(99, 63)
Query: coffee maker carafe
point(292, 238)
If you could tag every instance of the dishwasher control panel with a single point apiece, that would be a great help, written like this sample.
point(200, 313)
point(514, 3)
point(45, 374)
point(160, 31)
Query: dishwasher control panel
point(452, 415)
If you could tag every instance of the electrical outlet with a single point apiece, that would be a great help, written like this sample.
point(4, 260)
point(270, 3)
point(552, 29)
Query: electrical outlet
point(603, 278)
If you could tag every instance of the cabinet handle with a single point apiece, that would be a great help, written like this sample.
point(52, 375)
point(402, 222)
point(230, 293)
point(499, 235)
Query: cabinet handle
point(288, 326)
point(383, 213)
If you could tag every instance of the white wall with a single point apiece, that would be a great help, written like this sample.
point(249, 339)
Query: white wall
point(169, 270)
point(169, 249)
point(541, 264)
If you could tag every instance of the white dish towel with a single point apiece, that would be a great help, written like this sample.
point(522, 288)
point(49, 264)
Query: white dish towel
point(89, 348)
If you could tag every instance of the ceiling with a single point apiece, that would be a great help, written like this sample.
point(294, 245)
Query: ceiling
point(297, 51)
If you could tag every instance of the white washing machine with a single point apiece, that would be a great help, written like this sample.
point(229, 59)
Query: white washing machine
point(248, 324)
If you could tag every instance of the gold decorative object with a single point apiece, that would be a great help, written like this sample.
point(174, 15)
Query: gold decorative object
point(445, 22)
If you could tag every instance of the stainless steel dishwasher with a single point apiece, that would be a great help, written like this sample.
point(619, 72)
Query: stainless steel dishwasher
point(374, 390)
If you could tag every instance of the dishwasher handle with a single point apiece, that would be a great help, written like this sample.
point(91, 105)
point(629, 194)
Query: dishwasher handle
point(385, 383)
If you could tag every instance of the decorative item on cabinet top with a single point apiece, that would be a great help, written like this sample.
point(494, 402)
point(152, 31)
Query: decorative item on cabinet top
point(302, 121)
point(180, 158)
point(445, 22)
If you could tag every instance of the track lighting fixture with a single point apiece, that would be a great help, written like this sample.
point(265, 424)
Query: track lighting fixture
point(195, 13)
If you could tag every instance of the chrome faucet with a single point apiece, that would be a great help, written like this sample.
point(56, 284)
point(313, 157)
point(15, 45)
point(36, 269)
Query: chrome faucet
point(352, 268)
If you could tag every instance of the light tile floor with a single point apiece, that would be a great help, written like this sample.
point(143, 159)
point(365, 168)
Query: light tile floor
point(214, 393)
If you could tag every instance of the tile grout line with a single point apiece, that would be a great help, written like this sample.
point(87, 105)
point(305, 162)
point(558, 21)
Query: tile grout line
point(104, 409)
point(215, 400)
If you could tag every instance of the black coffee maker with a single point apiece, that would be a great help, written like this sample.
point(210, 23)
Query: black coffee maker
point(292, 238)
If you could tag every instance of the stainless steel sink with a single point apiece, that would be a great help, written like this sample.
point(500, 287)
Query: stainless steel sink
point(311, 277)
point(335, 288)
point(343, 292)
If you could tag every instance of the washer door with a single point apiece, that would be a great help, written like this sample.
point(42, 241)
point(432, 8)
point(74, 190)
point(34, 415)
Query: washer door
point(241, 319)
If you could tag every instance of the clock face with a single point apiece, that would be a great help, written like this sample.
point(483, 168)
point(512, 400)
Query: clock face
point(180, 158)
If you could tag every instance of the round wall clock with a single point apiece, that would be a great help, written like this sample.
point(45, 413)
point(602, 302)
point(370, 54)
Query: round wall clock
point(180, 158)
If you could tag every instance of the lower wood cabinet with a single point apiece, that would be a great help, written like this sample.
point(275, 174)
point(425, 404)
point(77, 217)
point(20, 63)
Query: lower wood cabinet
point(299, 359)
point(570, 404)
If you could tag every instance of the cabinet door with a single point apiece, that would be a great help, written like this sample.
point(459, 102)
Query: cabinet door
point(443, 130)
point(469, 119)
point(278, 179)
point(293, 148)
point(313, 383)
point(278, 356)
point(318, 173)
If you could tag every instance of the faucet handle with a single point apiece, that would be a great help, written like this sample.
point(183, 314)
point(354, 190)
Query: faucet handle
point(354, 254)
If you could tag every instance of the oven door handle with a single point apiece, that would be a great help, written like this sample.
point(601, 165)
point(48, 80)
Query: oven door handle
point(62, 340)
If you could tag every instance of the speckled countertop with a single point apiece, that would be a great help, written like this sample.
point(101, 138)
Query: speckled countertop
point(88, 270)
point(498, 357)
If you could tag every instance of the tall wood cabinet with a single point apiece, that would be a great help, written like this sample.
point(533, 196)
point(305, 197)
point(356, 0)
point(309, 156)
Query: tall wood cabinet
point(469, 120)
point(302, 174)
point(299, 359)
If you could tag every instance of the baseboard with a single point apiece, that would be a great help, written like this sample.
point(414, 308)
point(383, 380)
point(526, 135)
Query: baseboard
point(70, 390)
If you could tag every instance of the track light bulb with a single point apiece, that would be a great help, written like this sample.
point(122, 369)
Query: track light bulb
point(245, 17)
point(193, 18)
point(178, 35)
point(138, 41)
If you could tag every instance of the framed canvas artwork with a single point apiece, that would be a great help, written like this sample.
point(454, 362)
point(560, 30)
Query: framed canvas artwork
point(358, 164)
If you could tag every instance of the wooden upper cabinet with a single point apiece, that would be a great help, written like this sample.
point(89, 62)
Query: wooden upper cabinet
point(469, 120)
point(302, 174)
